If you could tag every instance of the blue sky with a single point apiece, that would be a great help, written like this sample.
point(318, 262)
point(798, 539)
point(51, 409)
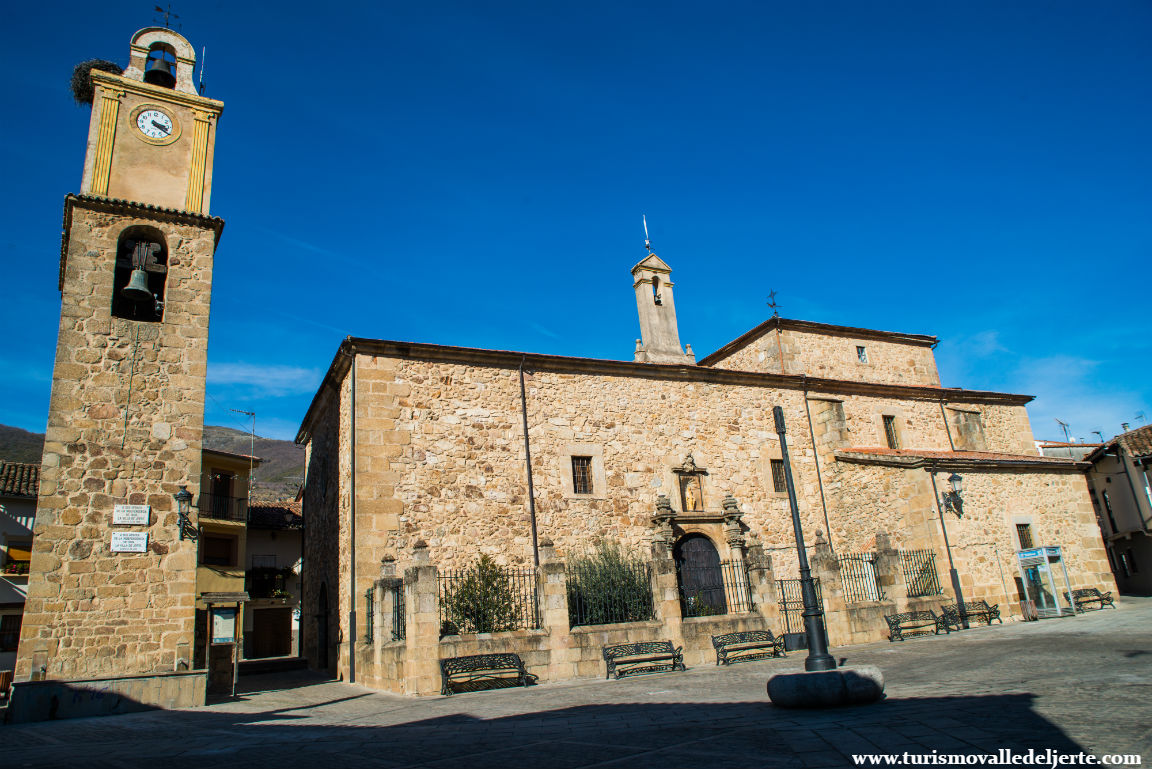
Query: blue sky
point(475, 174)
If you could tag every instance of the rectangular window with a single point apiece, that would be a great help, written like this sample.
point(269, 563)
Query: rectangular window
point(1132, 562)
point(890, 432)
point(779, 485)
point(9, 632)
point(19, 553)
point(582, 475)
point(862, 353)
point(263, 561)
point(217, 551)
point(1024, 534)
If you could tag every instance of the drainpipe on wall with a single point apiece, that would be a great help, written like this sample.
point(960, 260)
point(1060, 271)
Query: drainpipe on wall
point(528, 463)
point(352, 537)
point(947, 429)
point(816, 459)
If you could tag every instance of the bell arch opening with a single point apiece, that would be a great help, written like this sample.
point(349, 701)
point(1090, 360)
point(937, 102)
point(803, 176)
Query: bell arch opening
point(141, 275)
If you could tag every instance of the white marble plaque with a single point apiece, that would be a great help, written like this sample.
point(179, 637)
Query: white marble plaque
point(129, 542)
point(134, 515)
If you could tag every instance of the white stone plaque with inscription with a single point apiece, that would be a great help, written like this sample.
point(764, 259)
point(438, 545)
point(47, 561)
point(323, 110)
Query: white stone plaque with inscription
point(133, 515)
point(129, 542)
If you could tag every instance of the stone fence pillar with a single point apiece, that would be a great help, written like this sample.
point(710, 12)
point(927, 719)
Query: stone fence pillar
point(666, 592)
point(826, 568)
point(762, 581)
point(553, 597)
point(890, 574)
point(422, 625)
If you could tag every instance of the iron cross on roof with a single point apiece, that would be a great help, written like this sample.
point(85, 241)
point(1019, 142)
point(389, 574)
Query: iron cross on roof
point(772, 303)
point(168, 15)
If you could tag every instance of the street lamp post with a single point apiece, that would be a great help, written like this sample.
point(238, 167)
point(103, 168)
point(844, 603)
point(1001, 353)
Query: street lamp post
point(183, 508)
point(953, 502)
point(818, 656)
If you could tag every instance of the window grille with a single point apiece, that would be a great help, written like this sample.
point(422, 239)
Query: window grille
point(582, 475)
point(779, 484)
point(1024, 534)
point(264, 562)
point(862, 354)
point(890, 432)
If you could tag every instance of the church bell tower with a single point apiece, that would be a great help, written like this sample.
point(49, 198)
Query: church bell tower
point(112, 582)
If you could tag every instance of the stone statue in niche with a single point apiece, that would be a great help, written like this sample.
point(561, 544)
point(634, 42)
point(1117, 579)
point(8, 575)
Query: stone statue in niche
point(693, 497)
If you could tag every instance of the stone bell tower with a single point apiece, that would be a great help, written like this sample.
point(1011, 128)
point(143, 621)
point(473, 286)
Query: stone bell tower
point(112, 583)
point(660, 341)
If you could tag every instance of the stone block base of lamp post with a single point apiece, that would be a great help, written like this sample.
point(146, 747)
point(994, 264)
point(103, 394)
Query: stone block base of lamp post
point(827, 688)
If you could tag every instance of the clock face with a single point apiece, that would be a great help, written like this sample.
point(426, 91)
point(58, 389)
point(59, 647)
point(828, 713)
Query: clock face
point(154, 124)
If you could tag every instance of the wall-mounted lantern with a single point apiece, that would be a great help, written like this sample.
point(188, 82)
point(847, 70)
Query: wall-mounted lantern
point(183, 508)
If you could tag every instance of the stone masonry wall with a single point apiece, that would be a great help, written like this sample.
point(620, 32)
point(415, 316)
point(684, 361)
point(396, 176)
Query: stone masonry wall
point(835, 357)
point(91, 612)
point(440, 458)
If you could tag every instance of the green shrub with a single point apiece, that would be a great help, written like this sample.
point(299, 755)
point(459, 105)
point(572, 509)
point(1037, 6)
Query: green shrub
point(607, 585)
point(481, 600)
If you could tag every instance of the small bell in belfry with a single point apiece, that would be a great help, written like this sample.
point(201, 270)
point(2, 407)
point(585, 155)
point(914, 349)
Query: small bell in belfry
point(137, 289)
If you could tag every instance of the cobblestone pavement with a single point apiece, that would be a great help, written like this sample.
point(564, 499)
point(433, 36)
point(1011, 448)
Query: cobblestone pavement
point(1080, 684)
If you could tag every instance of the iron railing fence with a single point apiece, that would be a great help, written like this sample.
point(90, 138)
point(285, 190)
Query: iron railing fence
point(725, 590)
point(398, 624)
point(487, 598)
point(791, 599)
point(858, 577)
point(221, 508)
point(602, 593)
point(920, 572)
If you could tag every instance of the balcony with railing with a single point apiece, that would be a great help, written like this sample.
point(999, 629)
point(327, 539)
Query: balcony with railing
point(221, 508)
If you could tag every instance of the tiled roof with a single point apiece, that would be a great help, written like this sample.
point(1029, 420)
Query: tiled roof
point(993, 455)
point(19, 479)
point(1137, 442)
point(912, 458)
point(275, 515)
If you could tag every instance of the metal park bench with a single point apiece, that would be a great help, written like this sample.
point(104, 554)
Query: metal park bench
point(972, 609)
point(464, 673)
point(1085, 595)
point(914, 623)
point(643, 657)
point(746, 645)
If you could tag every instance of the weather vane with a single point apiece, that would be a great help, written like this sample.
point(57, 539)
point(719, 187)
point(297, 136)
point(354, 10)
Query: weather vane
point(647, 242)
point(772, 303)
point(168, 15)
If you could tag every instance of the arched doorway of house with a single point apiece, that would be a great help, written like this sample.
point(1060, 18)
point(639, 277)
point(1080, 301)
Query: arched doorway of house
point(322, 628)
point(700, 577)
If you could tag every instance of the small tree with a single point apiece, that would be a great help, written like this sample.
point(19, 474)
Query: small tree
point(607, 585)
point(481, 601)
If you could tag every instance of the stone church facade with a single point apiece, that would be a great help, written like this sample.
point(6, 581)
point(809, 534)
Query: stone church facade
point(416, 465)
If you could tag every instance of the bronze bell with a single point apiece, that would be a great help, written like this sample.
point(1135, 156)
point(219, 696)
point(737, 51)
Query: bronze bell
point(137, 288)
point(159, 72)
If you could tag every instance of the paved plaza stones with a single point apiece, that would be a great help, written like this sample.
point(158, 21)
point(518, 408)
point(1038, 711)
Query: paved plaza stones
point(1075, 685)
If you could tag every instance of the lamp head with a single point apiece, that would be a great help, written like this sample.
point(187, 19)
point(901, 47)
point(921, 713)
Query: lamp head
point(957, 483)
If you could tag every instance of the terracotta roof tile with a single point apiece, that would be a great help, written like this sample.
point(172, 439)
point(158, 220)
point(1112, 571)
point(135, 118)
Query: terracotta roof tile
point(275, 515)
point(1137, 442)
point(991, 455)
point(19, 479)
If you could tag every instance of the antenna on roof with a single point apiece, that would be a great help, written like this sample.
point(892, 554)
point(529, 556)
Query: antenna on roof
point(1064, 426)
point(647, 240)
point(251, 450)
point(168, 15)
point(1140, 416)
point(772, 303)
point(1098, 434)
point(203, 59)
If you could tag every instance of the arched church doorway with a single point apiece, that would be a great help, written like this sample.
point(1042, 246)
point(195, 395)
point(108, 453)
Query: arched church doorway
point(700, 577)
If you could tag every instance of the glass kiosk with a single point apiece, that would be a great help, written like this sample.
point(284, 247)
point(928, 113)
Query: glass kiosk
point(1038, 568)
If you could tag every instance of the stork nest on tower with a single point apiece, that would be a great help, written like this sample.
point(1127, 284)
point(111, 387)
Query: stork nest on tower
point(82, 89)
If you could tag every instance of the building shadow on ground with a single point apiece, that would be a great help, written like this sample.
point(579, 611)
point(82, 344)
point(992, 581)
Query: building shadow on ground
point(641, 735)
